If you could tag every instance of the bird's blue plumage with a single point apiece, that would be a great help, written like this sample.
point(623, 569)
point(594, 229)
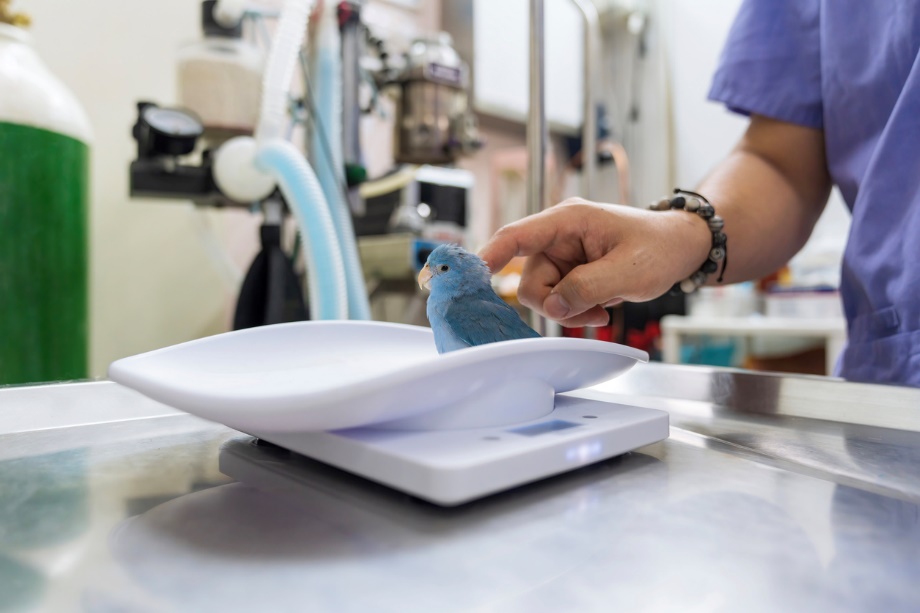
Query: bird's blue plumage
point(463, 309)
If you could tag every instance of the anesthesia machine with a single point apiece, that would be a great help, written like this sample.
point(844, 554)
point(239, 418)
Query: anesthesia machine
point(228, 143)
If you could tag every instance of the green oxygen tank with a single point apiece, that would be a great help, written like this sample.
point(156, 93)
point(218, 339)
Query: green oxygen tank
point(44, 179)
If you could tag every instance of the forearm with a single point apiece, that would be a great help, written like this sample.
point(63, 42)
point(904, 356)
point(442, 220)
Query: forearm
point(770, 191)
point(584, 256)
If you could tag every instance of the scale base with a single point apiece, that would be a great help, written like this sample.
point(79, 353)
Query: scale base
point(451, 467)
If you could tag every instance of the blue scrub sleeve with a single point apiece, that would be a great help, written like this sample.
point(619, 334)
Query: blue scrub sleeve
point(771, 63)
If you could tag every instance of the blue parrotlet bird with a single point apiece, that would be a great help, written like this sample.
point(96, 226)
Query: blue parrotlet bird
point(463, 308)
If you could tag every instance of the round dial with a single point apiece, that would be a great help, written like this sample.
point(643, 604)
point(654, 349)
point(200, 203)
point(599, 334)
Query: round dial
point(173, 122)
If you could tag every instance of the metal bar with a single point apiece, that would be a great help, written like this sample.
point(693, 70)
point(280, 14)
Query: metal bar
point(592, 50)
point(536, 126)
point(536, 121)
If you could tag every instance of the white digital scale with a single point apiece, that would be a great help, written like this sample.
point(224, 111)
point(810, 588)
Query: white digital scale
point(377, 400)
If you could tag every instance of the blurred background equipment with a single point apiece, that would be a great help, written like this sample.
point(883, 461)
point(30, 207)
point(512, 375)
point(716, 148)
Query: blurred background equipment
point(407, 214)
point(434, 123)
point(199, 152)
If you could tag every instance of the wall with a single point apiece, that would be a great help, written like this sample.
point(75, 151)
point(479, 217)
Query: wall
point(705, 131)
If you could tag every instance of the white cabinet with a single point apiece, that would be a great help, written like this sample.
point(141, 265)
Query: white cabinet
point(501, 60)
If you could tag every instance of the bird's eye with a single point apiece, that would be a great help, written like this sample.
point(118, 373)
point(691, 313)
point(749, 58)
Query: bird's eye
point(443, 267)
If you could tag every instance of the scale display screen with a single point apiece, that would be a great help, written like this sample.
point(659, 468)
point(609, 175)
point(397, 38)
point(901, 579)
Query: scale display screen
point(544, 427)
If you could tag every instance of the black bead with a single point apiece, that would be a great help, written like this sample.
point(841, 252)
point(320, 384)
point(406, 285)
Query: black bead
point(678, 202)
point(706, 211)
point(718, 239)
point(709, 267)
point(675, 290)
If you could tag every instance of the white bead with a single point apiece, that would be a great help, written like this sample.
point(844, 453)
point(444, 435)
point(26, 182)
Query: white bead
point(687, 286)
point(692, 204)
point(229, 13)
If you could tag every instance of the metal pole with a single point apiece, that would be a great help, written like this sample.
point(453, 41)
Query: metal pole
point(592, 52)
point(536, 121)
point(536, 127)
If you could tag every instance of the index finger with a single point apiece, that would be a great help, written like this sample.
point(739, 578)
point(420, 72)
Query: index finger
point(528, 236)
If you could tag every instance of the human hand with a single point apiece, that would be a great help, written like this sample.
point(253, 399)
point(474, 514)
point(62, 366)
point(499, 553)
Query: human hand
point(584, 256)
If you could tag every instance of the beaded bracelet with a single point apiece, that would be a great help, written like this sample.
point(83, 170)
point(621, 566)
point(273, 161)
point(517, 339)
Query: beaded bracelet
point(695, 203)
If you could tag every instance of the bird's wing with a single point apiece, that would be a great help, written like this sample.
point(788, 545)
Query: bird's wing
point(482, 320)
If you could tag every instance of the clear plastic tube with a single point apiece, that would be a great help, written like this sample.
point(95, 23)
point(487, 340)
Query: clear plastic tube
point(322, 254)
point(328, 156)
point(229, 272)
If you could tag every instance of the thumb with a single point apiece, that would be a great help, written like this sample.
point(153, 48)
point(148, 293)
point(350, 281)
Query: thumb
point(585, 287)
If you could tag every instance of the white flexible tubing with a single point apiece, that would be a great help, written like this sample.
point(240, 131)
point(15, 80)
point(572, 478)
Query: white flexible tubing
point(328, 291)
point(279, 71)
point(327, 93)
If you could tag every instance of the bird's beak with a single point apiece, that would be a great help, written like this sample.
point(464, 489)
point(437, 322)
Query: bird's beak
point(424, 278)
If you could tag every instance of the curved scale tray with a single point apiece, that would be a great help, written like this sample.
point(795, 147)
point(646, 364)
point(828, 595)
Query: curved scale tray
point(327, 375)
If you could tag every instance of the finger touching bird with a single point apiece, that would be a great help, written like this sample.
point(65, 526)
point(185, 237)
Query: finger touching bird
point(463, 309)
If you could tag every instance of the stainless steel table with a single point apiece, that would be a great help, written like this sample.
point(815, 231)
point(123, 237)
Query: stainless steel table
point(772, 494)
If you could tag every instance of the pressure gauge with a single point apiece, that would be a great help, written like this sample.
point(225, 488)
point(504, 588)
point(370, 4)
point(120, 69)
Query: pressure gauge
point(166, 131)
